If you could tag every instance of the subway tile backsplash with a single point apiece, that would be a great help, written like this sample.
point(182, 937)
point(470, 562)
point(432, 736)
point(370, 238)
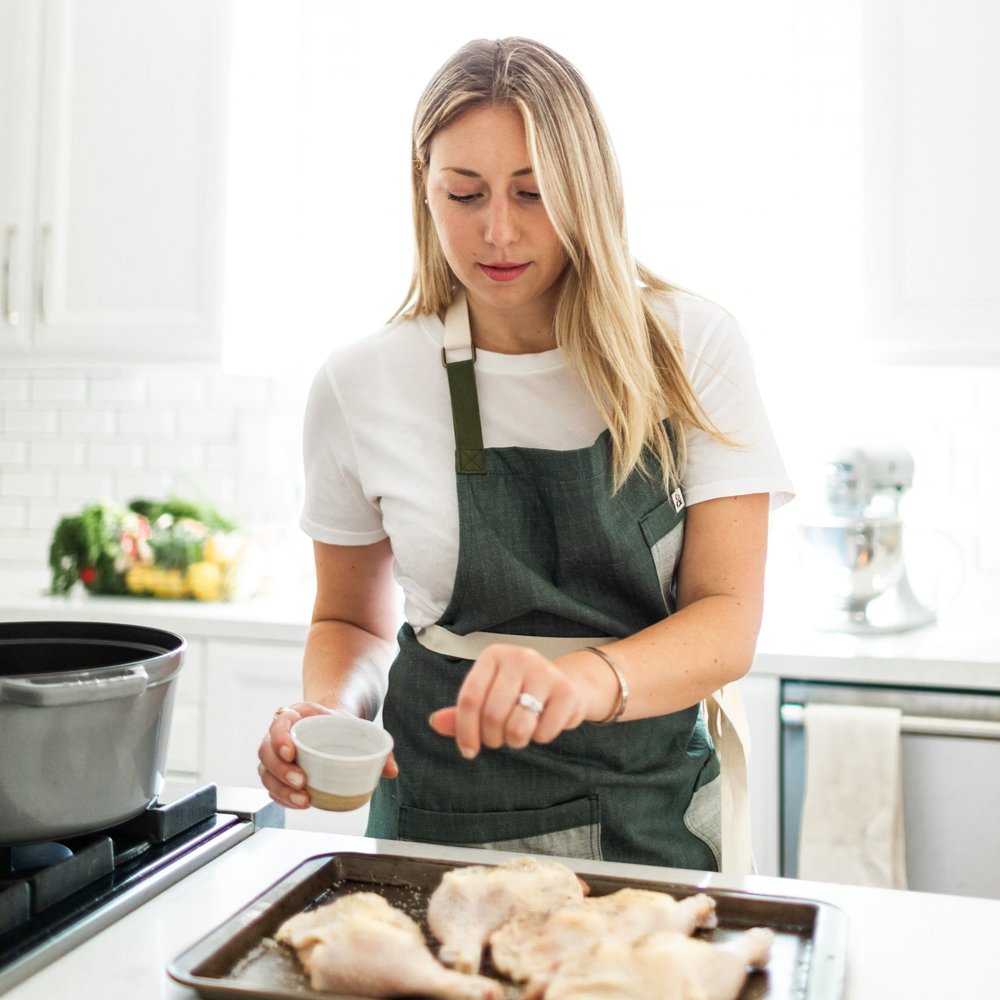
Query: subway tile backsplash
point(69, 437)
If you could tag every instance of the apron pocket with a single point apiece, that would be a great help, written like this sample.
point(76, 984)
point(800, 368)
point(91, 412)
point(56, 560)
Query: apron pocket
point(663, 530)
point(570, 829)
point(703, 816)
point(660, 521)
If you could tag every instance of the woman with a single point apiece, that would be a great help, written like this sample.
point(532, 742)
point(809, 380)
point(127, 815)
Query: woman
point(564, 463)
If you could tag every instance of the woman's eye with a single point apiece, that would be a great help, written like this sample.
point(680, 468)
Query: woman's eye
point(531, 195)
point(462, 199)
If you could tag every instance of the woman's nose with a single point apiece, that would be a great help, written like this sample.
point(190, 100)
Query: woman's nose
point(501, 228)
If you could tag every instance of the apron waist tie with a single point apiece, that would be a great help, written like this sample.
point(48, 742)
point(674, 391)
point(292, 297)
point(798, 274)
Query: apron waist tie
point(438, 639)
point(727, 723)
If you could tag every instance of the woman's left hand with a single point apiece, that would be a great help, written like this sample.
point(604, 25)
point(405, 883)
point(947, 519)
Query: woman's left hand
point(512, 696)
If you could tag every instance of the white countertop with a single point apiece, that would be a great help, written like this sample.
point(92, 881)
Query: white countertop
point(274, 617)
point(961, 649)
point(900, 944)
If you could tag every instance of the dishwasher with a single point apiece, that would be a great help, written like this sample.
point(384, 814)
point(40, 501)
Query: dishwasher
point(950, 751)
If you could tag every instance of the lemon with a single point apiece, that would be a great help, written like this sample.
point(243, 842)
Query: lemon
point(168, 583)
point(204, 580)
point(137, 578)
point(222, 549)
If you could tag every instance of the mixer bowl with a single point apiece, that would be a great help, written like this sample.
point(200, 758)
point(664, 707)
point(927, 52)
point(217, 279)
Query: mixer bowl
point(858, 575)
point(856, 560)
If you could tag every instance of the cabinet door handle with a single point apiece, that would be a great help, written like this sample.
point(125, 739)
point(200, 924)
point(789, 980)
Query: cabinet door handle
point(43, 267)
point(10, 313)
point(793, 716)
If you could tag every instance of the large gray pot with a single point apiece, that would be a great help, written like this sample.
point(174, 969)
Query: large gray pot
point(85, 713)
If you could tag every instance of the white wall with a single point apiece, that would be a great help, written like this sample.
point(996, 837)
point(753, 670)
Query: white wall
point(739, 128)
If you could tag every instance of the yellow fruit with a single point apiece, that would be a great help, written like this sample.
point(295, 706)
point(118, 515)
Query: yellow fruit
point(205, 581)
point(137, 578)
point(222, 549)
point(168, 583)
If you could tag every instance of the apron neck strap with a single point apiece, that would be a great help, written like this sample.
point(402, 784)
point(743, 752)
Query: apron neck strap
point(469, 457)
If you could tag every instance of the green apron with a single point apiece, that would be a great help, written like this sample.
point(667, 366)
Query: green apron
point(547, 549)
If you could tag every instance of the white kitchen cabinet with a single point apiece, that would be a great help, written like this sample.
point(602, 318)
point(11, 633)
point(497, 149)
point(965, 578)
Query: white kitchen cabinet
point(761, 698)
point(244, 683)
point(20, 32)
point(184, 747)
point(112, 117)
point(932, 202)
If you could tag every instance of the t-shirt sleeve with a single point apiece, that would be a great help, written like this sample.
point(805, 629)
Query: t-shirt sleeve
point(721, 370)
point(335, 508)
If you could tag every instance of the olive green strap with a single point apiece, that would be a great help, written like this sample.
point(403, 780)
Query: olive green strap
point(469, 457)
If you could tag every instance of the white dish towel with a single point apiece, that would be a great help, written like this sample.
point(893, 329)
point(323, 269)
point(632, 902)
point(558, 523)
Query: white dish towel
point(852, 816)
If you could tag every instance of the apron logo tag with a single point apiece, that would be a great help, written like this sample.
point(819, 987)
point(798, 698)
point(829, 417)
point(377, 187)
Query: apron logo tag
point(678, 499)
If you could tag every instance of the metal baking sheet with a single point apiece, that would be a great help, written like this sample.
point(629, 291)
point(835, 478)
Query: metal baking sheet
point(240, 958)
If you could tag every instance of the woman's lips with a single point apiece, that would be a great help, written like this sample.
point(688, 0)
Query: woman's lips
point(503, 271)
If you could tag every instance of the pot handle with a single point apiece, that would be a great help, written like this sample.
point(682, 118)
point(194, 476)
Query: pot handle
point(83, 687)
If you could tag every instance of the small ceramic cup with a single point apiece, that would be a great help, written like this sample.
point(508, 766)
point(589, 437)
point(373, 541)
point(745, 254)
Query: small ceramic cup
point(342, 757)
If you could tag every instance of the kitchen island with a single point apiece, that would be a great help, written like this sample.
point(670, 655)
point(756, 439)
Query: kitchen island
point(900, 944)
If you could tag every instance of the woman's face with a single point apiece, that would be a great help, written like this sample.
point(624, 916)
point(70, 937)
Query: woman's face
point(489, 216)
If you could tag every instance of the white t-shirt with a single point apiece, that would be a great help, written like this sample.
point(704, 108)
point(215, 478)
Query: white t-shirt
point(379, 441)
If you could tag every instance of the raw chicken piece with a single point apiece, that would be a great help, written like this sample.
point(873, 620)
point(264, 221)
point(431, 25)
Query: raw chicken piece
point(533, 945)
point(665, 965)
point(472, 902)
point(363, 945)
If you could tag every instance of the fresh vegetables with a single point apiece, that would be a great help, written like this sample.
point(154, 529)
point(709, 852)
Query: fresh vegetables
point(172, 548)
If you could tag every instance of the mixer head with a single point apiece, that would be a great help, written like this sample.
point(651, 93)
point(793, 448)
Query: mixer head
point(867, 479)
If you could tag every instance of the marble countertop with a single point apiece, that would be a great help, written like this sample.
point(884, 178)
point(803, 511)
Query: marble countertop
point(899, 944)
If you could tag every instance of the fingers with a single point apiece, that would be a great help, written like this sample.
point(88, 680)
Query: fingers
point(287, 791)
point(391, 769)
point(485, 705)
point(512, 696)
point(284, 782)
point(443, 721)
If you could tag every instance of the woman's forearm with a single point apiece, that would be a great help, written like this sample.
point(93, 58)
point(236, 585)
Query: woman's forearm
point(675, 663)
point(346, 667)
point(710, 640)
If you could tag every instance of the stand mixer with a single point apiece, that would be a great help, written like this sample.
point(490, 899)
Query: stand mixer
point(854, 554)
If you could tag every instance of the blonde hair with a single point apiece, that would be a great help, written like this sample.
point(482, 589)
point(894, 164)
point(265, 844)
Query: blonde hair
point(628, 358)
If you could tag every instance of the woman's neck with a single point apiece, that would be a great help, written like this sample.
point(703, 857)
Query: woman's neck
point(524, 330)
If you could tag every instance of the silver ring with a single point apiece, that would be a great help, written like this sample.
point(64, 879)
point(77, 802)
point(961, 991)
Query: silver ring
point(530, 702)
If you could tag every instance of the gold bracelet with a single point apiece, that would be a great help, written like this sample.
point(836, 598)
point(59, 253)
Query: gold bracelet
point(619, 710)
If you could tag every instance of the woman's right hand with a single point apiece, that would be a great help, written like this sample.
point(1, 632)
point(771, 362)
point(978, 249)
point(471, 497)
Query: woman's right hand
point(284, 781)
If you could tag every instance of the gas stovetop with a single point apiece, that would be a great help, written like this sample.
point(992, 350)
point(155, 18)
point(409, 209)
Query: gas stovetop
point(54, 896)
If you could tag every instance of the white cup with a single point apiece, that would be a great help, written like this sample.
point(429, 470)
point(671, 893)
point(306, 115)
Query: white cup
point(342, 757)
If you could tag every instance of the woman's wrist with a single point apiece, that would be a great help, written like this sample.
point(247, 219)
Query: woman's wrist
point(622, 701)
point(600, 684)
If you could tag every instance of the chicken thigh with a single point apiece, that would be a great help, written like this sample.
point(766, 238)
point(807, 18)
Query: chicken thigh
point(472, 902)
point(665, 965)
point(532, 946)
point(361, 944)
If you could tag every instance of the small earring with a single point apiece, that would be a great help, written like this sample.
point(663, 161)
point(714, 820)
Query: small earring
point(425, 201)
